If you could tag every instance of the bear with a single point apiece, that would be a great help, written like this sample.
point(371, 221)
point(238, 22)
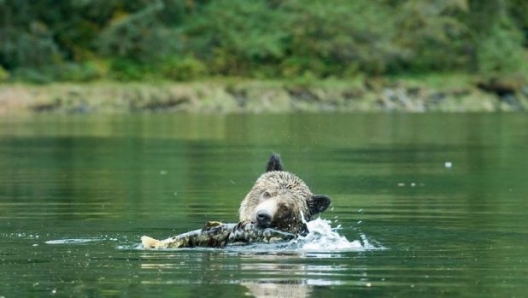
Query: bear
point(279, 205)
point(281, 200)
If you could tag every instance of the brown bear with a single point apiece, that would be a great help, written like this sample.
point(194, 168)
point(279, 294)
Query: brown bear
point(281, 200)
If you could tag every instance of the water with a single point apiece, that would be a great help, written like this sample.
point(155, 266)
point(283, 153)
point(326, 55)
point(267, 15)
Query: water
point(423, 205)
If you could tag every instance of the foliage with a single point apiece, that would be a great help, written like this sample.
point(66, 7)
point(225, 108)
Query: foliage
point(83, 40)
point(4, 75)
point(433, 37)
point(235, 36)
point(502, 50)
point(183, 69)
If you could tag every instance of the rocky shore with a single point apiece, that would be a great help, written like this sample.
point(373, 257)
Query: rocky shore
point(264, 97)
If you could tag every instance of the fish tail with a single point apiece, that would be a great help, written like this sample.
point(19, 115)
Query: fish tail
point(150, 242)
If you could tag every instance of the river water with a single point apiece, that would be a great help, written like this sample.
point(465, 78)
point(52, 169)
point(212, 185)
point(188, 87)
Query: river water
point(423, 205)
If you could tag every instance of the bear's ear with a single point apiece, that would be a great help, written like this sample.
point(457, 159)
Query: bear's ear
point(318, 203)
point(274, 163)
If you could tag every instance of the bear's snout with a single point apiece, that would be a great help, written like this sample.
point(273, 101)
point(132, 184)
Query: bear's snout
point(265, 212)
point(263, 219)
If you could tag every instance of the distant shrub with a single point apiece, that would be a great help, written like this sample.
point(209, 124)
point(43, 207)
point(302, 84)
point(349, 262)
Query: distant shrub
point(77, 72)
point(31, 75)
point(502, 51)
point(4, 74)
point(126, 70)
point(183, 69)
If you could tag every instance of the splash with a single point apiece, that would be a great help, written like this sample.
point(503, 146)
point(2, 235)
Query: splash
point(322, 237)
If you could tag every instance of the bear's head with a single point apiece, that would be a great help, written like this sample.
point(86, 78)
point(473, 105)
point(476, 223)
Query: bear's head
point(281, 200)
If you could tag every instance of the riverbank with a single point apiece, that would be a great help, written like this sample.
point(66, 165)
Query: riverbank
point(438, 94)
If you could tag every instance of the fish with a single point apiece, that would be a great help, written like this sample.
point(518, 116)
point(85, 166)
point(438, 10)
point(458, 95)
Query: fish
point(218, 234)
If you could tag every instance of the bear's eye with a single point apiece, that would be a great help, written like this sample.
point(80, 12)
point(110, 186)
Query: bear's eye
point(284, 208)
point(266, 195)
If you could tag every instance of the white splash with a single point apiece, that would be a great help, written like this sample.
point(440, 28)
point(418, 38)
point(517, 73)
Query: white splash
point(323, 238)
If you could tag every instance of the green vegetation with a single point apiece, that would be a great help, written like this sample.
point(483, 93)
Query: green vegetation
point(270, 55)
point(129, 40)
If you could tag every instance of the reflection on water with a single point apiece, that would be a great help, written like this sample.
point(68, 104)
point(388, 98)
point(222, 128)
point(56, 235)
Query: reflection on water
point(76, 193)
point(263, 274)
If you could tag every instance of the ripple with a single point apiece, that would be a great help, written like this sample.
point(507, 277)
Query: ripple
point(74, 241)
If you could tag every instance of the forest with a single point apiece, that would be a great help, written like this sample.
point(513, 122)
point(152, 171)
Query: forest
point(186, 40)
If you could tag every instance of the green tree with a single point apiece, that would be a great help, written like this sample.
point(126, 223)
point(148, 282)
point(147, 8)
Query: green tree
point(434, 37)
point(81, 40)
point(496, 38)
point(238, 35)
point(340, 37)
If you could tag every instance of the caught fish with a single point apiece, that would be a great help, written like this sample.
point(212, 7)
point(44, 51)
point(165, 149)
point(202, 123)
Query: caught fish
point(218, 234)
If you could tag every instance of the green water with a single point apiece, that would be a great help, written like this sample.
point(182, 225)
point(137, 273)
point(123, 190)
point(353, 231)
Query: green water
point(76, 193)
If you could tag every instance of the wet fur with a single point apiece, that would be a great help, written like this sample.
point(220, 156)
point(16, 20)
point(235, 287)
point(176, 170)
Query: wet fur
point(283, 197)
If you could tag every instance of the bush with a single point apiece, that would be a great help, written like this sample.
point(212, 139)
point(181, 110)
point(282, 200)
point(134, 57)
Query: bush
point(4, 74)
point(501, 51)
point(183, 69)
point(77, 72)
point(126, 70)
point(31, 75)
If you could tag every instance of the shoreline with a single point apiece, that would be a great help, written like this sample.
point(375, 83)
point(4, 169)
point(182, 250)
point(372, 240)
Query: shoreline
point(254, 96)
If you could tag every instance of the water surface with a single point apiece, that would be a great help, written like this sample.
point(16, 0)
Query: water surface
point(436, 203)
